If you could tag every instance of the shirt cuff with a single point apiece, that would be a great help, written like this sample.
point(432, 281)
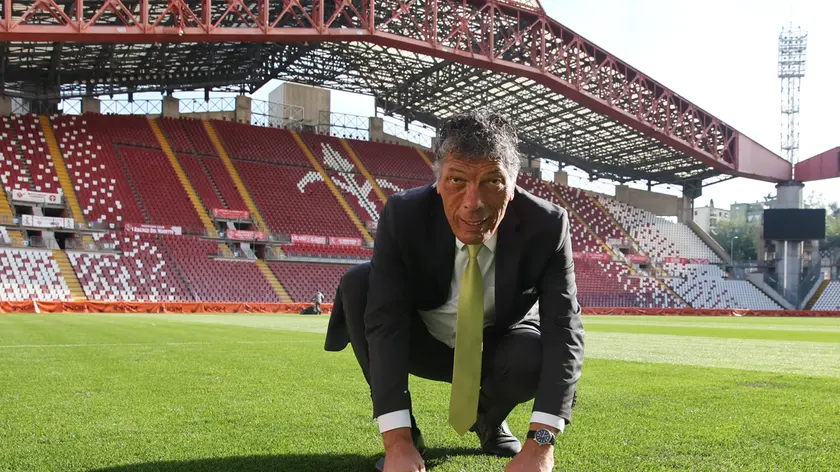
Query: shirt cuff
point(551, 420)
point(394, 420)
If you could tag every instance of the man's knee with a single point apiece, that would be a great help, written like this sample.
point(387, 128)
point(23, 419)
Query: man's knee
point(518, 364)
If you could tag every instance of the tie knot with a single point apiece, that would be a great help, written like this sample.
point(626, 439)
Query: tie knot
point(474, 248)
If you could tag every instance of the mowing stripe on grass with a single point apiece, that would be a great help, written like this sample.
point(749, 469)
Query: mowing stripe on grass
point(793, 357)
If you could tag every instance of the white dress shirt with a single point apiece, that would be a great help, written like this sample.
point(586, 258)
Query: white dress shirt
point(441, 323)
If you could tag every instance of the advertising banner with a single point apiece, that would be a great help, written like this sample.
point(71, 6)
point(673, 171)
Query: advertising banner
point(336, 241)
point(597, 256)
point(47, 222)
point(231, 214)
point(153, 229)
point(309, 239)
point(35, 197)
point(636, 258)
point(245, 235)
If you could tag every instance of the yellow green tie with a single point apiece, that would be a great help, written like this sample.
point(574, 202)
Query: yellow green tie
point(466, 371)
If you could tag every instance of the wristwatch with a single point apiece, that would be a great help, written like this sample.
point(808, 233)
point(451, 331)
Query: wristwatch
point(543, 437)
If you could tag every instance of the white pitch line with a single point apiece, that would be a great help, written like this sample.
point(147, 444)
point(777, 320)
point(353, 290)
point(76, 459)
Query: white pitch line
point(193, 343)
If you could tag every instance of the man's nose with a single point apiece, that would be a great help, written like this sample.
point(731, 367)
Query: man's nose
point(472, 198)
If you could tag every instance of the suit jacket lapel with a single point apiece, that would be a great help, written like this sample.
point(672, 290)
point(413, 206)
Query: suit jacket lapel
point(442, 256)
point(508, 249)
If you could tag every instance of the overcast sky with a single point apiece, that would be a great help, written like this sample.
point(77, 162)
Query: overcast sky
point(721, 55)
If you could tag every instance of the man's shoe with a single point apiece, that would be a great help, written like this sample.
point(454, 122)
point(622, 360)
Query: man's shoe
point(416, 438)
point(496, 440)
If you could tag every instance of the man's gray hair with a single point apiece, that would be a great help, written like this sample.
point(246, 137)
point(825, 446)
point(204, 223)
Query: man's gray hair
point(480, 134)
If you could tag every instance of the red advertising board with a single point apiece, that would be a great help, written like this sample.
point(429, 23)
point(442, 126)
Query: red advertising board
point(231, 214)
point(597, 256)
point(698, 261)
point(245, 235)
point(309, 239)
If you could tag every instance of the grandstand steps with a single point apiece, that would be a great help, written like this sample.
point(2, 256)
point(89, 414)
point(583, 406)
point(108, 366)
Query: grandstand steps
point(575, 215)
point(61, 170)
point(637, 247)
point(182, 177)
point(24, 166)
point(134, 192)
point(817, 295)
point(64, 177)
point(363, 170)
point(174, 267)
point(274, 282)
point(66, 268)
point(425, 158)
point(333, 189)
point(7, 216)
point(234, 175)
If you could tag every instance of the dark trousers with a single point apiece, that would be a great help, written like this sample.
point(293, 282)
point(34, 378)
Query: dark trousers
point(511, 360)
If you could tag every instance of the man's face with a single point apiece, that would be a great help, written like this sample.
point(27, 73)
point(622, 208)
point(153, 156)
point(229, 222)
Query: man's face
point(475, 196)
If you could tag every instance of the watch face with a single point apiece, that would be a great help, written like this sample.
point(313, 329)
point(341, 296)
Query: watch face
point(543, 436)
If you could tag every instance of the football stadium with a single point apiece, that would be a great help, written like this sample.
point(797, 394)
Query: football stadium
point(160, 257)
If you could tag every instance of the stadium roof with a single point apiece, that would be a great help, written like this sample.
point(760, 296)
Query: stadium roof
point(572, 101)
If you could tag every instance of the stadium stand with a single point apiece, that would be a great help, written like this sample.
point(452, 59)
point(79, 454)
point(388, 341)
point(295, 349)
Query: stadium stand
point(705, 286)
point(304, 279)
point(98, 177)
point(25, 161)
point(31, 274)
point(160, 193)
point(391, 160)
point(142, 271)
point(658, 237)
point(114, 164)
point(217, 280)
point(830, 298)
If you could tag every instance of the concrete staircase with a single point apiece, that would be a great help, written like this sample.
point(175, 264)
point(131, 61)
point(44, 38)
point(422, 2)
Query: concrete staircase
point(234, 175)
point(182, 177)
point(76, 291)
point(333, 189)
point(274, 281)
point(425, 158)
point(363, 170)
point(813, 300)
point(64, 177)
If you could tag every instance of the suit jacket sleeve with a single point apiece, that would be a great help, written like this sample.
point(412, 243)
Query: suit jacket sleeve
point(388, 319)
point(561, 330)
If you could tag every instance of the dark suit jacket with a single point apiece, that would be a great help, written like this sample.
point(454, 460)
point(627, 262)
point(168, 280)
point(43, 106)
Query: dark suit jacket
point(412, 266)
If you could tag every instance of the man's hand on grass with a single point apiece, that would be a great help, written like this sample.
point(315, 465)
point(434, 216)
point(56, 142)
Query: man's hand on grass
point(532, 458)
point(400, 453)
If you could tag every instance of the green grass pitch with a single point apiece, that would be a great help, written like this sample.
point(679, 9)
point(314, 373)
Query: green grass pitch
point(138, 393)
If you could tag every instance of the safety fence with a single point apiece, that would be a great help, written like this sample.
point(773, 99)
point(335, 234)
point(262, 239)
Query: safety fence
point(32, 306)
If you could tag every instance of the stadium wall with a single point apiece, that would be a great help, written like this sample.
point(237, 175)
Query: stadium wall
point(657, 203)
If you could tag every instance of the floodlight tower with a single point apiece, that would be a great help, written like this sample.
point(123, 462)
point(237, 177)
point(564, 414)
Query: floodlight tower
point(792, 46)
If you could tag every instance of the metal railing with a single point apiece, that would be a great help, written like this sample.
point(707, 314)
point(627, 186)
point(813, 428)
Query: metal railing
point(271, 114)
point(134, 107)
point(343, 125)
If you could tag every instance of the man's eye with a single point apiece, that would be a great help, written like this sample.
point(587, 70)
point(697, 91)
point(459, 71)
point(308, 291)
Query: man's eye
point(456, 180)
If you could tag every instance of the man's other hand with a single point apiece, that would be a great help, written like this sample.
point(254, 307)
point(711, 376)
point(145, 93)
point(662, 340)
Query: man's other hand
point(400, 453)
point(532, 458)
